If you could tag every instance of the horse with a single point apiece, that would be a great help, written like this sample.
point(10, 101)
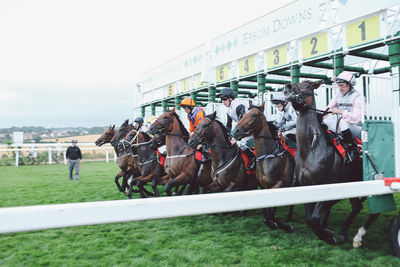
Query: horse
point(181, 165)
point(275, 166)
point(150, 168)
point(228, 167)
point(127, 159)
point(319, 162)
point(107, 136)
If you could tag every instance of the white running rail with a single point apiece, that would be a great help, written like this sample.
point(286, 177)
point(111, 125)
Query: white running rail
point(19, 219)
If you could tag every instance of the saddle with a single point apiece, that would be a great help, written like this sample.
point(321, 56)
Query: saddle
point(336, 141)
point(248, 165)
point(161, 158)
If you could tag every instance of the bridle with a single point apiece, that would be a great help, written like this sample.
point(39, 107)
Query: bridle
point(299, 97)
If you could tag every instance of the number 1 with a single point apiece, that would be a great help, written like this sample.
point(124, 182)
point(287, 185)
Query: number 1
point(362, 27)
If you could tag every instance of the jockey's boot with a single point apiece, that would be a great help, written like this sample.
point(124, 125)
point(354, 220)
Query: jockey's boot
point(352, 152)
point(252, 158)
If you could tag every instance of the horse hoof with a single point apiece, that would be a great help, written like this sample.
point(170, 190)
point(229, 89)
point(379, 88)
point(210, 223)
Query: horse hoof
point(357, 244)
point(270, 224)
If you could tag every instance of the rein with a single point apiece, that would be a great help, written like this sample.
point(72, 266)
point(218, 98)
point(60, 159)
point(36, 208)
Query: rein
point(218, 171)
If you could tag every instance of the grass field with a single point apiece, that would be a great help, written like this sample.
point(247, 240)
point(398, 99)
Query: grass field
point(207, 240)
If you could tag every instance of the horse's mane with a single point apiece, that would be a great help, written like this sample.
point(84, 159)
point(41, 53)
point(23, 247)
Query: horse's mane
point(224, 130)
point(181, 126)
point(273, 129)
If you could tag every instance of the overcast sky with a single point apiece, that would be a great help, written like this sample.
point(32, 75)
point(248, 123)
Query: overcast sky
point(75, 63)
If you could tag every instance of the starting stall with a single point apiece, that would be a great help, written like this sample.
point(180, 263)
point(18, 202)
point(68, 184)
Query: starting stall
point(306, 39)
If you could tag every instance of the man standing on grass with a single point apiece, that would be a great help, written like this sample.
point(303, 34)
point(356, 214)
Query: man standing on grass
point(74, 157)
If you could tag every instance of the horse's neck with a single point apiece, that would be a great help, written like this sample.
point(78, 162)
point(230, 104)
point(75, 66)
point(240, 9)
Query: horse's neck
point(263, 141)
point(219, 154)
point(174, 141)
point(145, 150)
point(308, 129)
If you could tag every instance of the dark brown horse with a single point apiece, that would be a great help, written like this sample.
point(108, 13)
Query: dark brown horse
point(150, 168)
point(318, 161)
point(275, 166)
point(228, 168)
point(127, 159)
point(181, 165)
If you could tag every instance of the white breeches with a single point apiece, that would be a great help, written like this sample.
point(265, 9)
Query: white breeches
point(330, 120)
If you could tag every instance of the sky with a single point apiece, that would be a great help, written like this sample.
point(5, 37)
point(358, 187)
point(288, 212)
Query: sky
point(76, 63)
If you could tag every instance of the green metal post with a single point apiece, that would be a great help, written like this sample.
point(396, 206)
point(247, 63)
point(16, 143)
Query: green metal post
point(235, 87)
point(143, 111)
point(394, 55)
point(153, 109)
point(164, 105)
point(177, 102)
point(295, 71)
point(261, 86)
point(193, 95)
point(211, 94)
point(338, 62)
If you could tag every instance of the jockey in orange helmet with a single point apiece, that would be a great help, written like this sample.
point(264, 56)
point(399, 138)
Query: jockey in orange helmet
point(195, 114)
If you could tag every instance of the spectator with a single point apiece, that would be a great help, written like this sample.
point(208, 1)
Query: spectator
point(74, 157)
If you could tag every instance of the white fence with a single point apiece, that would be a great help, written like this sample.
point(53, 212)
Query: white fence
point(51, 148)
point(19, 219)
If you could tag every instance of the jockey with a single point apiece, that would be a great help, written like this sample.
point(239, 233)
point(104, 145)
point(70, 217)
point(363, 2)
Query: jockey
point(287, 117)
point(195, 114)
point(139, 125)
point(235, 108)
point(346, 113)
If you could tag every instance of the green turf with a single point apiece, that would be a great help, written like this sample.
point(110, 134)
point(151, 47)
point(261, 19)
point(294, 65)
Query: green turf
point(208, 240)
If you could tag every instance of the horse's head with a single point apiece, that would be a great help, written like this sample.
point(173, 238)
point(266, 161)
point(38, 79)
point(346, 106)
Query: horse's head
point(301, 94)
point(106, 136)
point(203, 132)
point(250, 122)
point(163, 123)
point(123, 130)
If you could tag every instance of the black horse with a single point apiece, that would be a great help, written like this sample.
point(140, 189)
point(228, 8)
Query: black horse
point(318, 161)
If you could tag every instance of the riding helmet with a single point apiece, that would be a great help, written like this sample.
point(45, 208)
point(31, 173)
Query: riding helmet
point(226, 92)
point(346, 77)
point(139, 120)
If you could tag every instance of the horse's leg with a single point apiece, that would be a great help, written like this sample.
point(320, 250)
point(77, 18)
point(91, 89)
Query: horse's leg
point(130, 189)
point(125, 178)
point(142, 181)
point(154, 186)
point(190, 189)
point(356, 207)
point(357, 240)
point(119, 175)
point(183, 187)
point(315, 222)
point(268, 214)
point(211, 188)
point(182, 178)
point(286, 227)
point(289, 217)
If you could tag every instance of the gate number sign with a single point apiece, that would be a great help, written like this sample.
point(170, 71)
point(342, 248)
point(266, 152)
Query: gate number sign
point(315, 45)
point(247, 65)
point(363, 31)
point(277, 56)
point(222, 73)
